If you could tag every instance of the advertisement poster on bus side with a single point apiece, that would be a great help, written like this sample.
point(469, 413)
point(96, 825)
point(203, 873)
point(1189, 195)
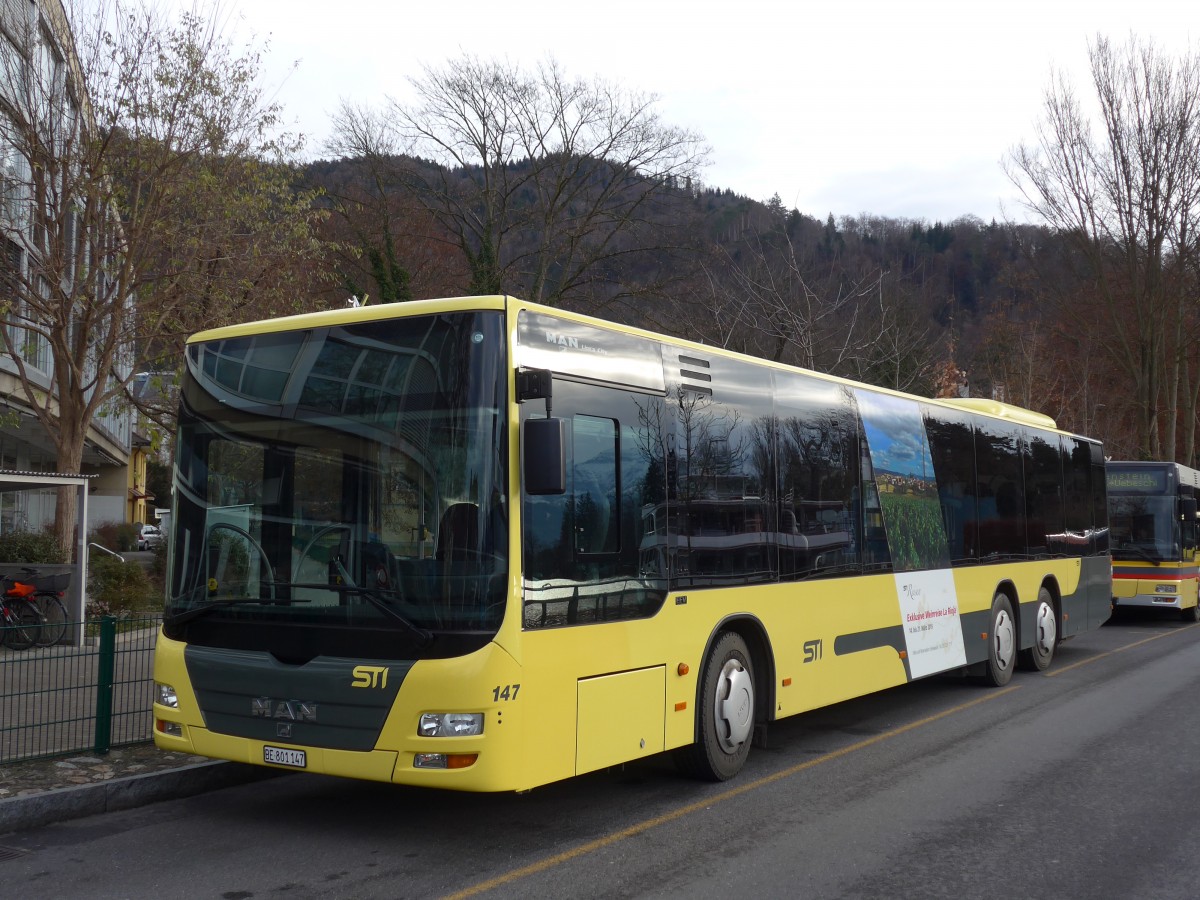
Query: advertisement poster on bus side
point(932, 629)
point(916, 536)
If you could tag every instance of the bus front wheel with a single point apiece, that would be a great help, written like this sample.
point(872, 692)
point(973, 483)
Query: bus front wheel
point(726, 713)
point(1002, 643)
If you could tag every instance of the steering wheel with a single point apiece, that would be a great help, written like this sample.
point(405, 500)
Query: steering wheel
point(242, 532)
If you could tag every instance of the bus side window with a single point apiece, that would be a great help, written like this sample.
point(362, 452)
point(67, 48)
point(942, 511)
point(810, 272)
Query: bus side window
point(594, 484)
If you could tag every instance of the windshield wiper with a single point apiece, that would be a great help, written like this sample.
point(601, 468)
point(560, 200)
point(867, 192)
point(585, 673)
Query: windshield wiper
point(1131, 548)
point(197, 611)
point(423, 636)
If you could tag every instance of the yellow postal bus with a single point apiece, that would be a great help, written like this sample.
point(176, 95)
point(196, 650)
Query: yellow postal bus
point(1152, 511)
point(482, 545)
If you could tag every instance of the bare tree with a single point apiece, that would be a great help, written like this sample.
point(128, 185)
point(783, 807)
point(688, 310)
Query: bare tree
point(547, 185)
point(1126, 192)
point(773, 296)
point(146, 195)
point(386, 245)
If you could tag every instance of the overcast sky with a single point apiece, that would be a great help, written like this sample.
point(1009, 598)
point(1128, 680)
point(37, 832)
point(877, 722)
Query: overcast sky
point(901, 108)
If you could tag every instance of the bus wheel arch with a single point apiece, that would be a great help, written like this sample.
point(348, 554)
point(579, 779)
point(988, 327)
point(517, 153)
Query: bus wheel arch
point(1046, 629)
point(732, 698)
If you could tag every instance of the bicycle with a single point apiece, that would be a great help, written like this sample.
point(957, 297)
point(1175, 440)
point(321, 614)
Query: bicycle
point(20, 621)
point(42, 595)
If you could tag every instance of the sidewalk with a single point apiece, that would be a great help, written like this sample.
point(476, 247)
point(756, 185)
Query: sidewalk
point(40, 792)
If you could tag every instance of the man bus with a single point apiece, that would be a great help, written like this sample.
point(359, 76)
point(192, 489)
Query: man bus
point(483, 545)
point(1152, 515)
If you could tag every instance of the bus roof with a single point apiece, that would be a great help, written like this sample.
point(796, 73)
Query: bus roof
point(358, 314)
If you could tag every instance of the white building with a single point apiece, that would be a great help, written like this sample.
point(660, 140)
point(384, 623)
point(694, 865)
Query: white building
point(39, 75)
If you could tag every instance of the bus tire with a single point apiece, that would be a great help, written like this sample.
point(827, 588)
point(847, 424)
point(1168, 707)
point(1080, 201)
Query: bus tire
point(1045, 635)
point(1002, 643)
point(1191, 614)
point(725, 715)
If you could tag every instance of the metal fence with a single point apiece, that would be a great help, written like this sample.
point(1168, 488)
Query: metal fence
point(89, 695)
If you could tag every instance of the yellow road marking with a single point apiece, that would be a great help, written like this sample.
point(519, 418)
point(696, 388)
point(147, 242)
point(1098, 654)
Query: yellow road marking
point(1084, 662)
point(647, 824)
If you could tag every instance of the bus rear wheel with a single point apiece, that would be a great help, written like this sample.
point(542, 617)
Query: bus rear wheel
point(726, 713)
point(1045, 635)
point(1002, 643)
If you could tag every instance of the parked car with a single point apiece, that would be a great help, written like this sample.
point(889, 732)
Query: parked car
point(150, 537)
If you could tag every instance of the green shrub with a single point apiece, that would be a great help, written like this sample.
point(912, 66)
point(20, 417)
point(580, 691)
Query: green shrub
point(127, 538)
point(116, 586)
point(31, 547)
point(119, 536)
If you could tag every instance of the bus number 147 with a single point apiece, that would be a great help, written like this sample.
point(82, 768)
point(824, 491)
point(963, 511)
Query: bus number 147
point(507, 692)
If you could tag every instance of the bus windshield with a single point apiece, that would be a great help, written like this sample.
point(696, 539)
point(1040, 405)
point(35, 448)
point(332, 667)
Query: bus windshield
point(341, 490)
point(1143, 527)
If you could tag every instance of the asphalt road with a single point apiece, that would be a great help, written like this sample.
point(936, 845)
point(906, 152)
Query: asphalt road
point(1080, 782)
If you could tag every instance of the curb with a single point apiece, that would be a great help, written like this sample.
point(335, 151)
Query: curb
point(63, 804)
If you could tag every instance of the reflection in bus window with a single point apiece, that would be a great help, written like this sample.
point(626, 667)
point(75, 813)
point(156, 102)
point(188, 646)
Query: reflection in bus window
point(595, 485)
point(818, 477)
point(586, 557)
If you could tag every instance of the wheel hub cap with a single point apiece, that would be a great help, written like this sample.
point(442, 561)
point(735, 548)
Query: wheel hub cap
point(734, 706)
point(1005, 639)
point(1047, 630)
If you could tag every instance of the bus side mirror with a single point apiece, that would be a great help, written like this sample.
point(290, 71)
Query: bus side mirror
point(544, 456)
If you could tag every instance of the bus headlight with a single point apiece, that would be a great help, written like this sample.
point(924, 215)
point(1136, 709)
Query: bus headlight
point(450, 724)
point(1164, 589)
point(166, 696)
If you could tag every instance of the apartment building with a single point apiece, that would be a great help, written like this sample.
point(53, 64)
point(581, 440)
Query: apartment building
point(39, 82)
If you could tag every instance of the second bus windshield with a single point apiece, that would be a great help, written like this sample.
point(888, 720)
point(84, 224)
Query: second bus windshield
point(1143, 526)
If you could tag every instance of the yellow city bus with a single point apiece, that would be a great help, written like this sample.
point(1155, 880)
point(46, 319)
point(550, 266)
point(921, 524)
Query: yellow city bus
point(1152, 514)
point(483, 545)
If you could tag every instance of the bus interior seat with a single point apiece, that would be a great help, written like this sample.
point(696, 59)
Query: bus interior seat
point(458, 533)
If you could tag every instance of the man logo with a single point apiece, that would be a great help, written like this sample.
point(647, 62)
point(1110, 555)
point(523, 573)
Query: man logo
point(289, 710)
point(369, 677)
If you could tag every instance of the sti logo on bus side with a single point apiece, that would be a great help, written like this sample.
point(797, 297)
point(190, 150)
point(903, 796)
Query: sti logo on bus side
point(812, 650)
point(369, 676)
point(292, 710)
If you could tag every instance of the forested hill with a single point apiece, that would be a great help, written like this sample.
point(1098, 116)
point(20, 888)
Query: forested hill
point(931, 308)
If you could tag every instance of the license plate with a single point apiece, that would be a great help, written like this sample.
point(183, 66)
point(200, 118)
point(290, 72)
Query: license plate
point(281, 756)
